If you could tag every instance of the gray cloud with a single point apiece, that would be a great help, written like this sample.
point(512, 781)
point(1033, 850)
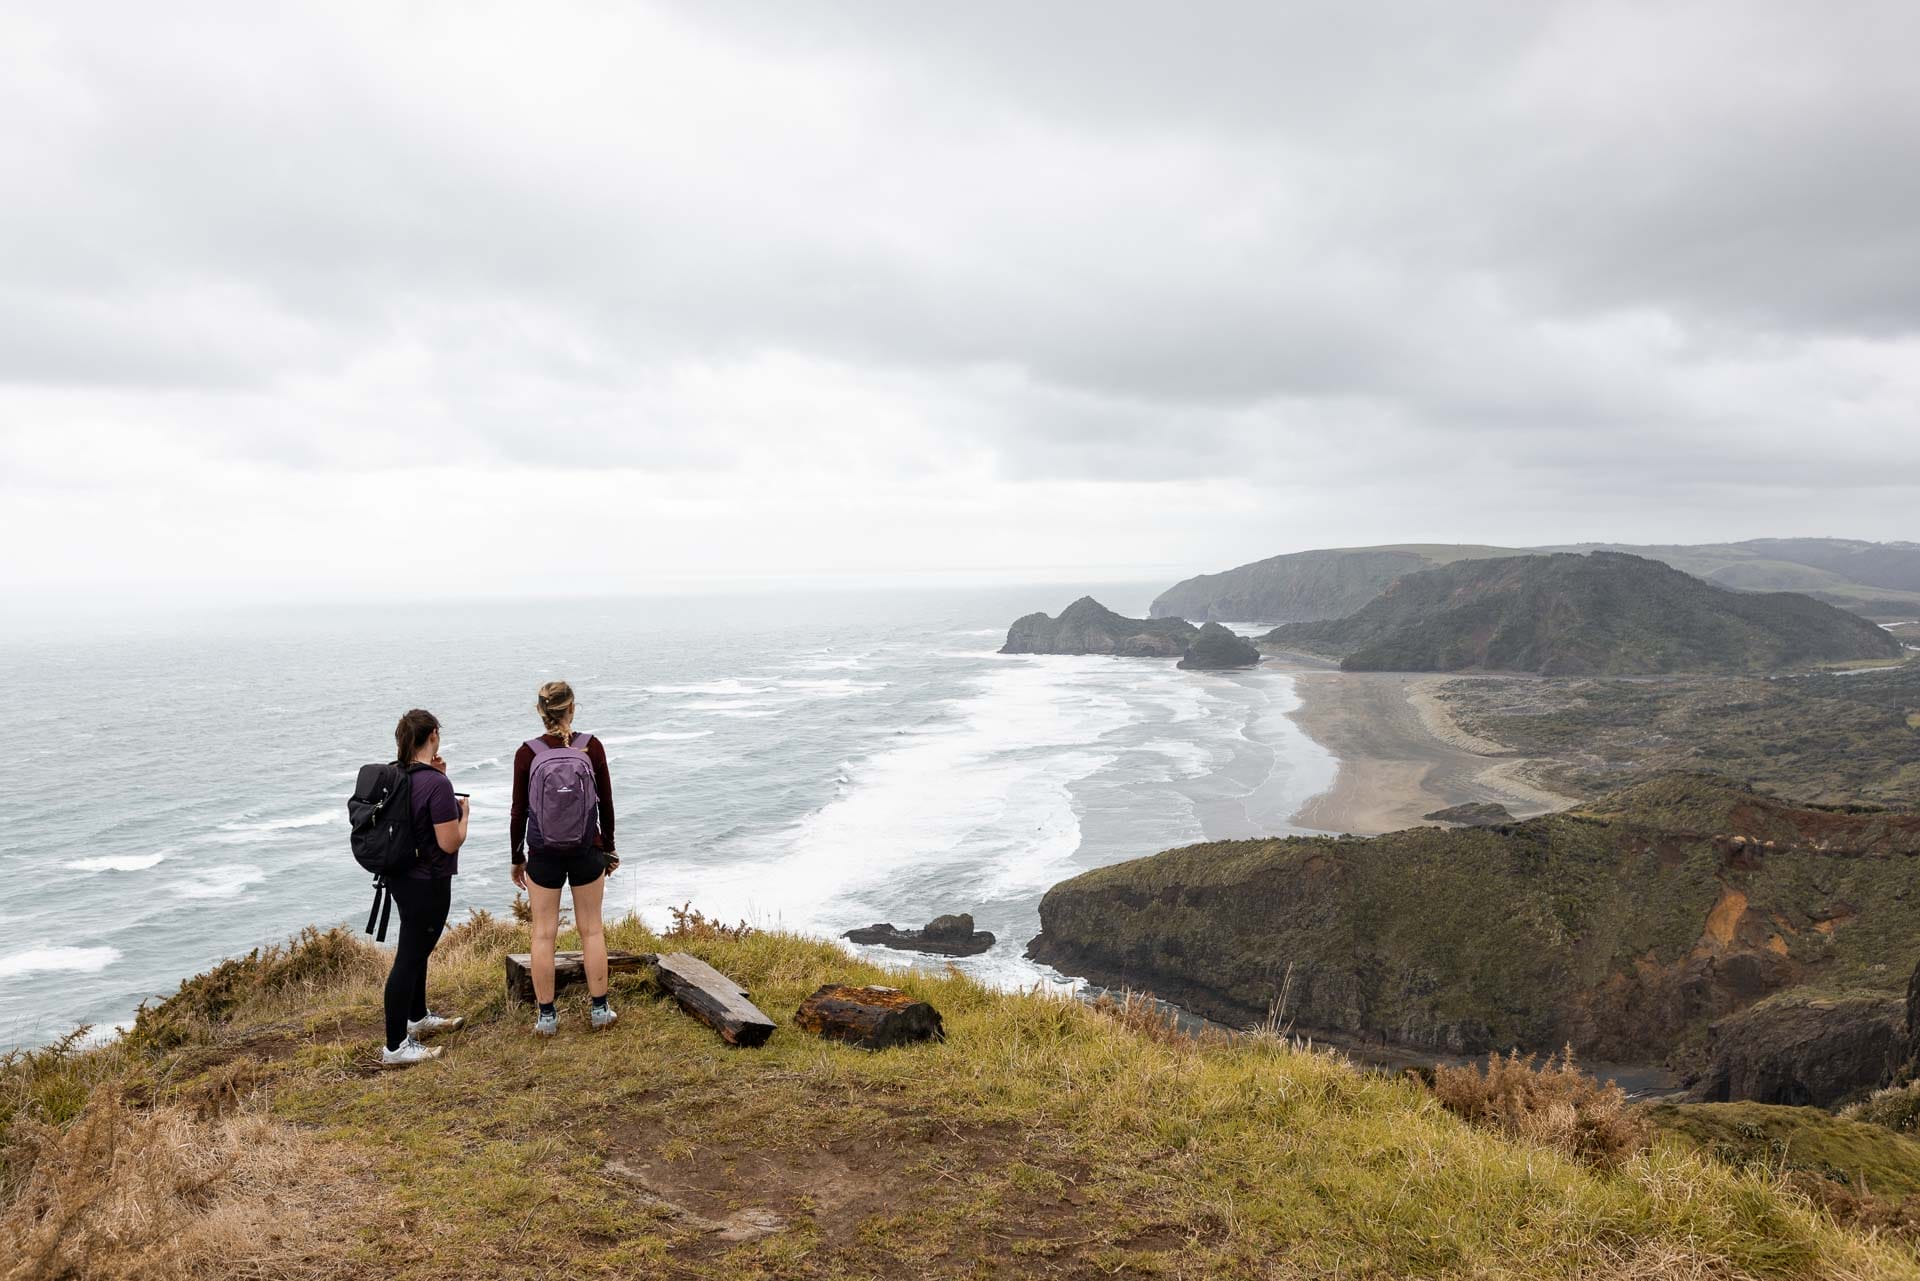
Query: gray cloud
point(1580, 247)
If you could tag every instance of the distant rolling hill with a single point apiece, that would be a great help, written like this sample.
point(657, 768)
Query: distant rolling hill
point(1304, 586)
point(1875, 580)
point(1564, 614)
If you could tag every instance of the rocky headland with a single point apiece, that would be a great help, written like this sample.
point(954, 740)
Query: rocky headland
point(1088, 627)
point(1625, 929)
point(1606, 613)
point(1876, 580)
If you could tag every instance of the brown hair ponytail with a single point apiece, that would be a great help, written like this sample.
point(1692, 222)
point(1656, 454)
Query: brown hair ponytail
point(555, 705)
point(412, 733)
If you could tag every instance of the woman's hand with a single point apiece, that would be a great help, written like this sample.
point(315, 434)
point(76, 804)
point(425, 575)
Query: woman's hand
point(439, 763)
point(613, 862)
point(520, 876)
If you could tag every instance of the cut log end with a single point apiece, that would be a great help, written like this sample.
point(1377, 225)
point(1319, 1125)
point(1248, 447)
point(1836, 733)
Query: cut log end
point(872, 1018)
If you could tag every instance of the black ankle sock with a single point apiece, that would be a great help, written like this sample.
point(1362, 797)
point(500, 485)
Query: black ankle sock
point(546, 1007)
point(599, 1002)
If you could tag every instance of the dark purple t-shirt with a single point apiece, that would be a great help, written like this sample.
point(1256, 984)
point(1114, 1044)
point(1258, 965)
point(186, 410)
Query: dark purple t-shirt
point(433, 802)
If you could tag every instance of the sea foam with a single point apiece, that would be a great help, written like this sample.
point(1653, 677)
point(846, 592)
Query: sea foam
point(70, 960)
point(117, 862)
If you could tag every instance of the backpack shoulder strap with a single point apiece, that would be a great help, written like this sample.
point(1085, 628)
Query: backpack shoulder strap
point(580, 741)
point(540, 747)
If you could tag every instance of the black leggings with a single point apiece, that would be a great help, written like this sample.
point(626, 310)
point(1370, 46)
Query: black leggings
point(423, 908)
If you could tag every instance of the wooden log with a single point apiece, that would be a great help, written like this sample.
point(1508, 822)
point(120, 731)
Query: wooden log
point(711, 997)
point(872, 1018)
point(568, 968)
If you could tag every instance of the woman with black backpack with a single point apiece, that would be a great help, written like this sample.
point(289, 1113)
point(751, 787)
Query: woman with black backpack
point(423, 891)
point(562, 822)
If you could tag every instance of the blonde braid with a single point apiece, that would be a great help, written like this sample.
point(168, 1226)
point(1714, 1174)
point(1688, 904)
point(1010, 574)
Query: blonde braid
point(555, 705)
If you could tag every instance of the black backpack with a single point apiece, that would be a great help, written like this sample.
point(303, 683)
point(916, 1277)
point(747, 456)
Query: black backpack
point(380, 818)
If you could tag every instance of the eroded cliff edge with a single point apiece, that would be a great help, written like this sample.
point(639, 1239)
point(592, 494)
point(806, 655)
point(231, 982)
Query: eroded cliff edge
point(1624, 929)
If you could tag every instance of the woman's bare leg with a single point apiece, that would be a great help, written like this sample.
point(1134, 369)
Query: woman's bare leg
point(546, 928)
point(593, 937)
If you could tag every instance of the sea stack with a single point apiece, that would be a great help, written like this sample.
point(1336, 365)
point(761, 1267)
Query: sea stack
point(1218, 648)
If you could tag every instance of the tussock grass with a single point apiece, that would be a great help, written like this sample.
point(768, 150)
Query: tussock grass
point(1555, 1104)
point(1044, 1137)
point(1897, 1108)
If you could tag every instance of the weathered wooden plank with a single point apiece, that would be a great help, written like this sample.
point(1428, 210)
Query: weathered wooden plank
point(873, 1018)
point(711, 997)
point(568, 968)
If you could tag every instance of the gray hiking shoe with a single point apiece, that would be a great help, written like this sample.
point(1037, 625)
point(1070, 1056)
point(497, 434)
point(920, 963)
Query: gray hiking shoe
point(602, 1017)
point(408, 1053)
point(434, 1023)
point(547, 1025)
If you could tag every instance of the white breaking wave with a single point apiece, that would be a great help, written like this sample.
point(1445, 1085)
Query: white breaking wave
point(287, 824)
point(988, 803)
point(656, 736)
point(72, 960)
point(1191, 760)
point(729, 686)
point(117, 863)
point(225, 883)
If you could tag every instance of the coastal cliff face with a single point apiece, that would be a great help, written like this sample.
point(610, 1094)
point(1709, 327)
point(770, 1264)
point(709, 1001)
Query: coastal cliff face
point(1088, 627)
point(1571, 615)
point(1624, 931)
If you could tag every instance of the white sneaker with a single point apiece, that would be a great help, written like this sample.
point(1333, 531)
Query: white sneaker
point(409, 1053)
point(546, 1025)
point(602, 1017)
point(434, 1024)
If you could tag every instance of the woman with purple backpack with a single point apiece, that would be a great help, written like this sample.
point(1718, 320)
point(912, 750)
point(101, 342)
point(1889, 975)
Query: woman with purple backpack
point(562, 820)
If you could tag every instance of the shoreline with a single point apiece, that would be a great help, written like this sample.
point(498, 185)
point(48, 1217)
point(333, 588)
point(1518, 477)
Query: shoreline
point(1400, 754)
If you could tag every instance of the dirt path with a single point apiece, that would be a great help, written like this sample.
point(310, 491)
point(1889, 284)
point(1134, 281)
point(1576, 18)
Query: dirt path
point(1401, 754)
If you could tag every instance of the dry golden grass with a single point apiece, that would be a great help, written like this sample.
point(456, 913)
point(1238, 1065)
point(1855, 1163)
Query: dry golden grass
point(122, 1194)
point(1554, 1104)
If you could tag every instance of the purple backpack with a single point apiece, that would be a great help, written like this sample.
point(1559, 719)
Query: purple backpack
point(563, 799)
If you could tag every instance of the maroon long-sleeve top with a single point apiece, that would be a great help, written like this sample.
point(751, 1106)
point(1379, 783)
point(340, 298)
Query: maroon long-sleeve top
point(523, 762)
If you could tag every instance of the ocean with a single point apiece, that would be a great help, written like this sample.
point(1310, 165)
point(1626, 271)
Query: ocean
point(174, 790)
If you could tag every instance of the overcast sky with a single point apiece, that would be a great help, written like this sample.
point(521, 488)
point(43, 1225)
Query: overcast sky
point(738, 292)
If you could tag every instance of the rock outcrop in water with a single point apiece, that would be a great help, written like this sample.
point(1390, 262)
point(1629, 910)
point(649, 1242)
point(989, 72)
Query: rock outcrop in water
point(1088, 627)
point(1624, 929)
point(951, 935)
point(1217, 649)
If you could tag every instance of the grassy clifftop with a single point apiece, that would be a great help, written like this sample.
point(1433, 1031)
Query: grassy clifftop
point(242, 1129)
point(1569, 615)
point(1624, 930)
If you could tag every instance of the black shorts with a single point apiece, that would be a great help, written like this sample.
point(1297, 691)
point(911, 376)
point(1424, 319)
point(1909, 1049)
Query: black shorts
point(554, 868)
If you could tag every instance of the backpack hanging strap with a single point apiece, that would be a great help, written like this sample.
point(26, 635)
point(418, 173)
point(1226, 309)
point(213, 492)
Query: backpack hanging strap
point(382, 908)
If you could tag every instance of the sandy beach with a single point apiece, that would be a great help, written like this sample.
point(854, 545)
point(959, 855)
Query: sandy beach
point(1401, 755)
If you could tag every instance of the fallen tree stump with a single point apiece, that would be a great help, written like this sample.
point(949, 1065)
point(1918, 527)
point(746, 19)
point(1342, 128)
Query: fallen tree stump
point(568, 968)
point(711, 997)
point(872, 1018)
